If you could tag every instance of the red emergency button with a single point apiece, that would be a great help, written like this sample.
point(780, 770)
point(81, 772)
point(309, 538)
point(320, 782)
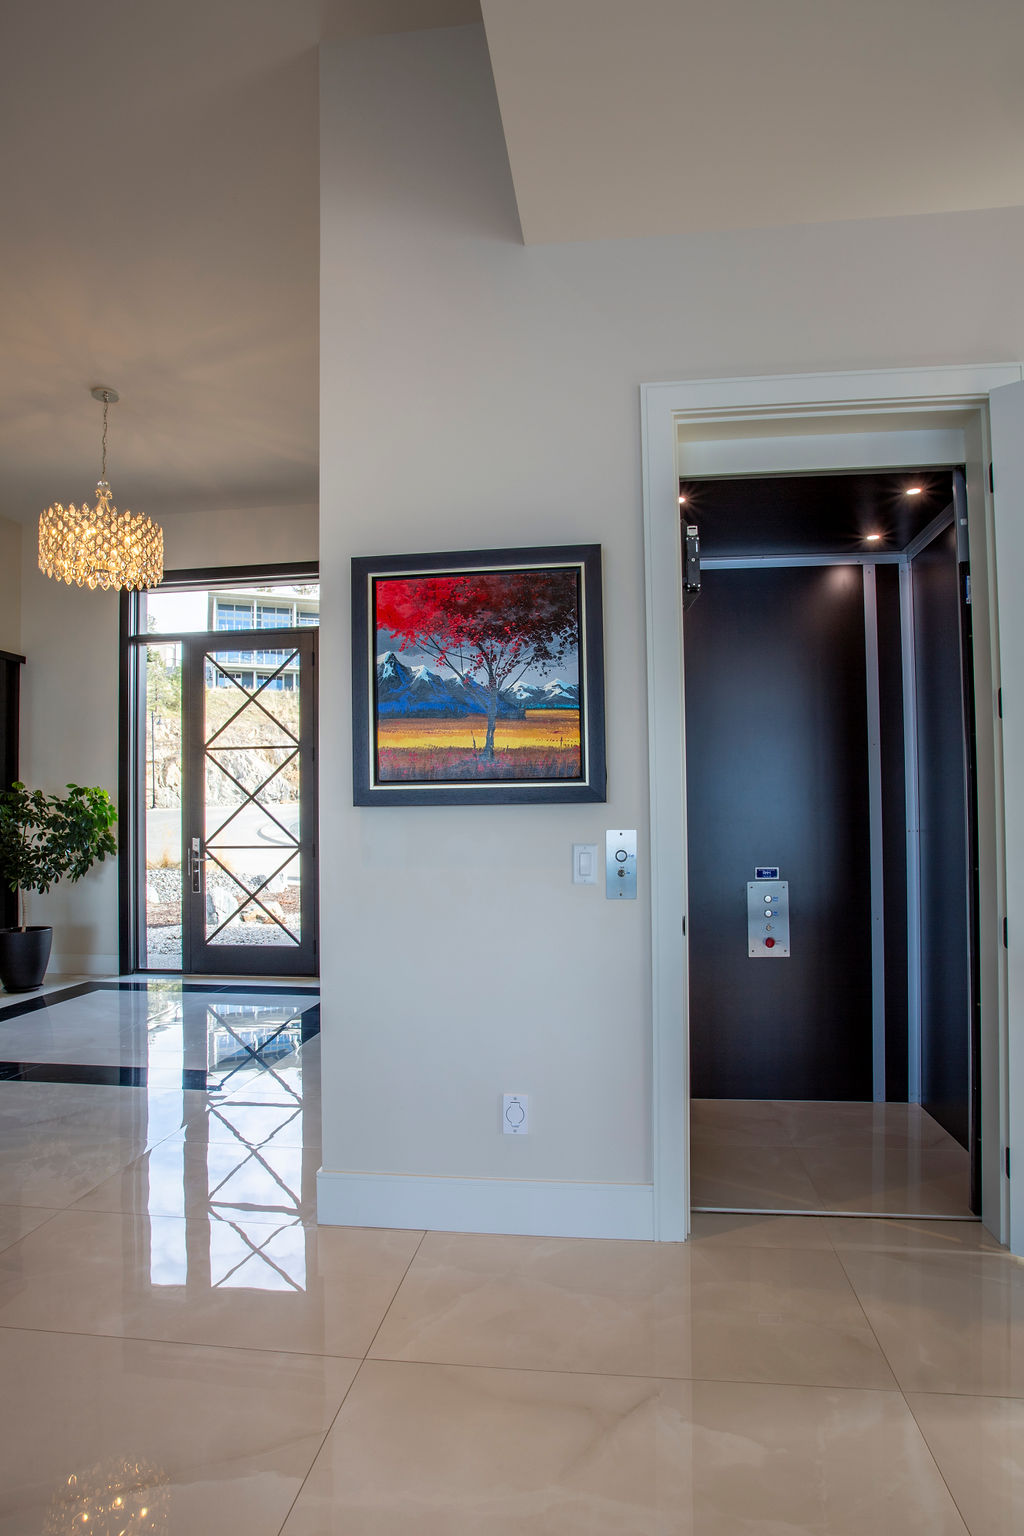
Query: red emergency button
point(769, 943)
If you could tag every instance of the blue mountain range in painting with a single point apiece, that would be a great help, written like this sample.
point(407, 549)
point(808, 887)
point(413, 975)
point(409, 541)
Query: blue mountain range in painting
point(403, 690)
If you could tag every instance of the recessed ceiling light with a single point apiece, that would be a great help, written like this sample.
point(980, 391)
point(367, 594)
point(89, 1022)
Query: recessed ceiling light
point(913, 490)
point(872, 538)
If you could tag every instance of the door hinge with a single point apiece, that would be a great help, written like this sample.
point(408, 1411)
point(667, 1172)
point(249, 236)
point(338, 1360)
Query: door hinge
point(1006, 933)
point(991, 478)
point(999, 702)
point(1007, 1150)
point(684, 925)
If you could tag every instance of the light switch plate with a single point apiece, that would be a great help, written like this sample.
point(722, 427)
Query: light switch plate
point(584, 863)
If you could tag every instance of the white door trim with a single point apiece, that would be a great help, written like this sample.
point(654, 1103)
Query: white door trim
point(902, 396)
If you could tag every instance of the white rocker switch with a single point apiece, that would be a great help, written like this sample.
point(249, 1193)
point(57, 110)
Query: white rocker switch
point(584, 863)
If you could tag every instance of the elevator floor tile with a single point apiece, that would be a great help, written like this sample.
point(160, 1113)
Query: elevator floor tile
point(832, 1158)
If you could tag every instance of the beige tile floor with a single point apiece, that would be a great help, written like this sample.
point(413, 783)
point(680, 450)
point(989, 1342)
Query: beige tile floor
point(235, 1370)
point(790, 1155)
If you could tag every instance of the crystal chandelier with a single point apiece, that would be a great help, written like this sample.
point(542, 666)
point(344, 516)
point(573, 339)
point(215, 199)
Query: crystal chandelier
point(99, 546)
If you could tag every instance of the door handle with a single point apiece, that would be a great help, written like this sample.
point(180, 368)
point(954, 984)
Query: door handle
point(196, 861)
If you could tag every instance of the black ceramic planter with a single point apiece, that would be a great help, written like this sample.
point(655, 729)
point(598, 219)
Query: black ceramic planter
point(24, 956)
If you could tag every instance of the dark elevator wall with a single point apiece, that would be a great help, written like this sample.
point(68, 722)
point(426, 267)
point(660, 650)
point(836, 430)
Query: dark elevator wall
point(776, 733)
point(945, 986)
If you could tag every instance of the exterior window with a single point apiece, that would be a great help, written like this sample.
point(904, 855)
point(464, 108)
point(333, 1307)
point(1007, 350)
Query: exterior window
point(273, 616)
point(233, 615)
point(308, 620)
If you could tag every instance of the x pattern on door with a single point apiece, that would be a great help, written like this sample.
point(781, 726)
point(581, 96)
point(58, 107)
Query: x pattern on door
point(271, 1174)
point(218, 750)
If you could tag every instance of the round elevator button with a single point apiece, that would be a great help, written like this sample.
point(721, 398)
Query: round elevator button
point(769, 943)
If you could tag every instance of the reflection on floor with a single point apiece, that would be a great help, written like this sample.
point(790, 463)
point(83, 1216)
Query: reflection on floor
point(794, 1155)
point(185, 1352)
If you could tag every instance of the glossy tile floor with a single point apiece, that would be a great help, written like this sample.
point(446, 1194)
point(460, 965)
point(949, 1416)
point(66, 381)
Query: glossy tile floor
point(184, 1351)
point(792, 1156)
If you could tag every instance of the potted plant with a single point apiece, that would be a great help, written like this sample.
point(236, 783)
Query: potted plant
point(43, 839)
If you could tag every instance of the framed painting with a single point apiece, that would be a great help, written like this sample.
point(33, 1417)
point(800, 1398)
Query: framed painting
point(478, 677)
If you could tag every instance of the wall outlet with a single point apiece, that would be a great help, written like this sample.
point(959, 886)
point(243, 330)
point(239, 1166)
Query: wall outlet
point(515, 1114)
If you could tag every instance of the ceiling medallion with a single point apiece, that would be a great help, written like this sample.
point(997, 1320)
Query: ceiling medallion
point(99, 546)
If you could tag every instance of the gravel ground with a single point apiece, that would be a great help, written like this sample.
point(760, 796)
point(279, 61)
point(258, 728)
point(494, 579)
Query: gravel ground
point(163, 915)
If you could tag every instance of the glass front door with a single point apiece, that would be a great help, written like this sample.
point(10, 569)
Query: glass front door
point(248, 812)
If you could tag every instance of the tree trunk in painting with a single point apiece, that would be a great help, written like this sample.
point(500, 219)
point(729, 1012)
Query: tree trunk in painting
point(492, 720)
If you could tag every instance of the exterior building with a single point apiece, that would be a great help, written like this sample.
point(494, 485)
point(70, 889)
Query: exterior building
point(245, 609)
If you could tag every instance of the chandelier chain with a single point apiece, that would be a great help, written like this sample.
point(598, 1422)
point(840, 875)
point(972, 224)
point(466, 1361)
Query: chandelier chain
point(106, 408)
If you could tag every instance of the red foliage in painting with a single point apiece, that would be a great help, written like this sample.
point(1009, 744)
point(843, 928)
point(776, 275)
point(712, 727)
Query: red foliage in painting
point(492, 625)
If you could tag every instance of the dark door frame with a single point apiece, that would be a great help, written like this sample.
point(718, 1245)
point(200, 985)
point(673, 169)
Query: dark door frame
point(131, 728)
point(10, 729)
point(261, 960)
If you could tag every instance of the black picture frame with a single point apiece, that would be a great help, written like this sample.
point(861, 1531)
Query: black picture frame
point(589, 784)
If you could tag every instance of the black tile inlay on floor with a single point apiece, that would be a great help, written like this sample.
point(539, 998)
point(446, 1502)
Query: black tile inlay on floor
point(17, 1010)
point(192, 1078)
point(105, 1077)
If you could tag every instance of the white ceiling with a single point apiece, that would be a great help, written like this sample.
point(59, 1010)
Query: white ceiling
point(160, 235)
point(159, 175)
point(660, 117)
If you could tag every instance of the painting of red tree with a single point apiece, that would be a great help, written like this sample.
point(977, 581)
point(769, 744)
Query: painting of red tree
point(478, 677)
point(477, 674)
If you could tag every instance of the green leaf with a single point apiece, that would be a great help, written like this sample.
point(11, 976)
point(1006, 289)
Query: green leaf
point(46, 838)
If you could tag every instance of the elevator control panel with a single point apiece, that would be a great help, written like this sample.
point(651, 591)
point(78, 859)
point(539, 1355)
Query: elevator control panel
point(768, 919)
point(620, 866)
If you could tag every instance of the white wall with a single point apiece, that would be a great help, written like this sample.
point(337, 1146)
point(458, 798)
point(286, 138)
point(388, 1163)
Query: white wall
point(478, 393)
point(10, 586)
point(69, 709)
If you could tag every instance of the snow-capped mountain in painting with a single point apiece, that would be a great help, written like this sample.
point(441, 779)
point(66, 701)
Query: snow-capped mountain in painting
point(556, 694)
point(403, 690)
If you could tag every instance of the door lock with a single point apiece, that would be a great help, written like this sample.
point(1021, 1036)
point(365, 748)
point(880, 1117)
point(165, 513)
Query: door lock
point(196, 861)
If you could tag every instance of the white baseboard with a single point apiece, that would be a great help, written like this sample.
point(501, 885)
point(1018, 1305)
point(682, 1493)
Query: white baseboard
point(534, 1207)
point(82, 965)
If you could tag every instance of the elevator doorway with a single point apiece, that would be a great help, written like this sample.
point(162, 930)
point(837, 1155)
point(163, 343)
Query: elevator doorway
point(829, 731)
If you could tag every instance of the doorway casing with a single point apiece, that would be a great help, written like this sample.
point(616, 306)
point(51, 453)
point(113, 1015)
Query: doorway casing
point(814, 423)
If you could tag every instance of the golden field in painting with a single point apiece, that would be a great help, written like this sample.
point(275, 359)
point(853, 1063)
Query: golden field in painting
point(545, 745)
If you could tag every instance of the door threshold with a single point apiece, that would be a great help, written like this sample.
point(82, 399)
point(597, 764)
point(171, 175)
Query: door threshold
point(227, 976)
point(758, 1210)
